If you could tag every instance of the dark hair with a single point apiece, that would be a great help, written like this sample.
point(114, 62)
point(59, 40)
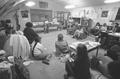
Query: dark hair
point(37, 39)
point(104, 24)
point(29, 24)
point(18, 27)
point(97, 24)
point(82, 51)
point(60, 37)
point(116, 24)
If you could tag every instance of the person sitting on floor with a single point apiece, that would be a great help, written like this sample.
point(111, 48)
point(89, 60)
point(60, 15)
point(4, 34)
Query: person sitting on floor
point(39, 52)
point(96, 30)
point(61, 45)
point(80, 33)
point(79, 68)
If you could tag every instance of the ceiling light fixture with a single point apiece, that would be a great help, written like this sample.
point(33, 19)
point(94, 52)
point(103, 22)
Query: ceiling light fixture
point(69, 6)
point(111, 1)
point(30, 3)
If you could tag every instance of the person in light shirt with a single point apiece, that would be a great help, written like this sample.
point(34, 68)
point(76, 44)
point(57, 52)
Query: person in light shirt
point(104, 27)
point(39, 51)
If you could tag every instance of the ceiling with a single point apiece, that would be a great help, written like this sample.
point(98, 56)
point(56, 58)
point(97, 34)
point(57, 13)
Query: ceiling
point(7, 6)
point(80, 3)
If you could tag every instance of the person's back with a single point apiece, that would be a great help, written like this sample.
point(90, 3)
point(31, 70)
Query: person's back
point(17, 45)
point(82, 65)
point(79, 69)
point(61, 45)
point(29, 32)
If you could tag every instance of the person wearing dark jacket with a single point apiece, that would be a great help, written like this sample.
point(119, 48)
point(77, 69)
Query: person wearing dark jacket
point(79, 69)
point(29, 32)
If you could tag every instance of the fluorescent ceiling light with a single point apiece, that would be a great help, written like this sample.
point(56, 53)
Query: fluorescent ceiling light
point(30, 3)
point(70, 6)
point(111, 1)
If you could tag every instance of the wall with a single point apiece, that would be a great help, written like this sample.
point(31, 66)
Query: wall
point(51, 6)
point(10, 16)
point(95, 12)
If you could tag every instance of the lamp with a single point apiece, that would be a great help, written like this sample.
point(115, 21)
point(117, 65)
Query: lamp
point(111, 1)
point(69, 6)
point(30, 3)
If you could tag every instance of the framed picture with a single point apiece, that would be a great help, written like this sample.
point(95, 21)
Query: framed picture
point(24, 14)
point(43, 4)
point(104, 14)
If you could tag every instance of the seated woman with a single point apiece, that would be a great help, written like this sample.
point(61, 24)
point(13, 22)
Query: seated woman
point(96, 30)
point(61, 45)
point(39, 52)
point(114, 52)
point(79, 68)
point(104, 27)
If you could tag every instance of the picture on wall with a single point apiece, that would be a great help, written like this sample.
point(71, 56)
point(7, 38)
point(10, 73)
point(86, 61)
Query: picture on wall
point(43, 4)
point(40, 15)
point(24, 14)
point(104, 14)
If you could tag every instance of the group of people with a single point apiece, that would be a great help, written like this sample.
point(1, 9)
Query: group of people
point(81, 62)
point(18, 43)
point(105, 28)
point(78, 32)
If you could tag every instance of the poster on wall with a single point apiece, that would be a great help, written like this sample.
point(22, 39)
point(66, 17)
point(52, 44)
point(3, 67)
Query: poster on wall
point(43, 4)
point(104, 14)
point(40, 15)
point(24, 14)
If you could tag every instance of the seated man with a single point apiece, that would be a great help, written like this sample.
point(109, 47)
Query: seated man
point(39, 52)
point(114, 52)
point(109, 67)
point(61, 45)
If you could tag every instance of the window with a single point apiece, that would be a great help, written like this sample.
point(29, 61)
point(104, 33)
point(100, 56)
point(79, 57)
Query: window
point(118, 15)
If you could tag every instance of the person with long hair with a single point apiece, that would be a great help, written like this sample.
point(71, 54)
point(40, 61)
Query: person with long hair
point(79, 69)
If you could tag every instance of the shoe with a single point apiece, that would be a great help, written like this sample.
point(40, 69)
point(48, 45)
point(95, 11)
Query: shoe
point(45, 62)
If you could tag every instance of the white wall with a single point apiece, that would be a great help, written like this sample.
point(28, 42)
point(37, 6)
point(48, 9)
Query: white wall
point(94, 12)
point(51, 6)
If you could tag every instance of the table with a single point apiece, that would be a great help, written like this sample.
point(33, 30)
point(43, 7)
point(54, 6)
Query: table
point(91, 45)
point(114, 34)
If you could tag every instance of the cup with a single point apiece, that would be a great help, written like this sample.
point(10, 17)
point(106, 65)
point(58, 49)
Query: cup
point(11, 58)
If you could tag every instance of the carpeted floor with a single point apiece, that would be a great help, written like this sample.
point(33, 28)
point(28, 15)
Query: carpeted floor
point(56, 69)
